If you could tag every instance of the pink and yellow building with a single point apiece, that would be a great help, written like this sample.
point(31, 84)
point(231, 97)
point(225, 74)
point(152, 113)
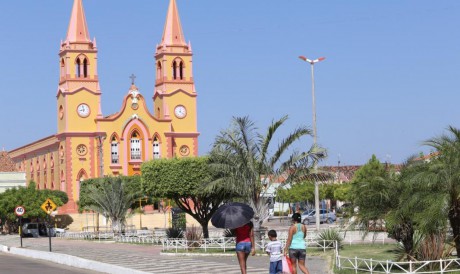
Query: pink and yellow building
point(87, 143)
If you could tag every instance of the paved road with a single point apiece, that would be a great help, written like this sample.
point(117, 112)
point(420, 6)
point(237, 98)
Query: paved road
point(17, 264)
point(147, 258)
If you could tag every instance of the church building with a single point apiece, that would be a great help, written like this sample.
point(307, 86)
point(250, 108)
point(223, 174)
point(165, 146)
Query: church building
point(88, 144)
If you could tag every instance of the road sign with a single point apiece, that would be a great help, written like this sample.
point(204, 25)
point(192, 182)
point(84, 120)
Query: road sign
point(48, 206)
point(19, 211)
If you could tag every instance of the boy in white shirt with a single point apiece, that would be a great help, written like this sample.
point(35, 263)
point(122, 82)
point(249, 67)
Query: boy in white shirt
point(274, 249)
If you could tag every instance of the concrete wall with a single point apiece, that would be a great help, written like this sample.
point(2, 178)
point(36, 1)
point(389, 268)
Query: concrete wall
point(87, 221)
point(12, 179)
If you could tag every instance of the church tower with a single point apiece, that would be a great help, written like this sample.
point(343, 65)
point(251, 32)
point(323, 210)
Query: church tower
point(175, 96)
point(78, 106)
point(78, 93)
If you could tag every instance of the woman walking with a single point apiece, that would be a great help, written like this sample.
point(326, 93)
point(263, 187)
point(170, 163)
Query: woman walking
point(295, 244)
point(244, 244)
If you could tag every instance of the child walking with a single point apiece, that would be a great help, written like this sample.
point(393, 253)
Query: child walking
point(274, 249)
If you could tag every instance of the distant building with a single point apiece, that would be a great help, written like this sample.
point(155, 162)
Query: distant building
point(342, 174)
point(6, 164)
point(8, 176)
point(12, 179)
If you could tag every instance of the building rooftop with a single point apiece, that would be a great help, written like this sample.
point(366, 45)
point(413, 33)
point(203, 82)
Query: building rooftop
point(6, 164)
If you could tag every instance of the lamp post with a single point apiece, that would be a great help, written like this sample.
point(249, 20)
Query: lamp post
point(312, 64)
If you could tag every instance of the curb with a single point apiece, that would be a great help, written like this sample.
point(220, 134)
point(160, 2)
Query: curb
point(229, 254)
point(69, 260)
point(196, 254)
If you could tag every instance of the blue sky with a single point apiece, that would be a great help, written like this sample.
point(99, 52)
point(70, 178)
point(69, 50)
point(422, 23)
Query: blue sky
point(390, 80)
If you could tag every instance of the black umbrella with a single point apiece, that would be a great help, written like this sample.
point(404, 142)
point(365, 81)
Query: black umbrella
point(232, 215)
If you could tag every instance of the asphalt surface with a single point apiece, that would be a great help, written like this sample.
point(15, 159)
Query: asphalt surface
point(148, 258)
point(18, 264)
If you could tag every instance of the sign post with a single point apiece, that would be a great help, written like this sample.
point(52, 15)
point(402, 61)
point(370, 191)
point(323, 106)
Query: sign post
point(19, 211)
point(49, 206)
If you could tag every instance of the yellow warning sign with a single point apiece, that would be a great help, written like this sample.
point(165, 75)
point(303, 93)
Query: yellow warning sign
point(48, 206)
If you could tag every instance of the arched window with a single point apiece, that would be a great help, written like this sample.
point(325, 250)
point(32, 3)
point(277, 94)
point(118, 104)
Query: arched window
point(158, 113)
point(85, 68)
point(62, 187)
point(181, 70)
point(77, 68)
point(62, 68)
point(174, 70)
point(156, 148)
point(80, 178)
point(159, 70)
point(114, 150)
point(31, 170)
point(135, 146)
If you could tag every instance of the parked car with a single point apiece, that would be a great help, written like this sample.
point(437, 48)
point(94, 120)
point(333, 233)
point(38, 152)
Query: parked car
point(43, 230)
point(309, 216)
point(60, 231)
point(30, 230)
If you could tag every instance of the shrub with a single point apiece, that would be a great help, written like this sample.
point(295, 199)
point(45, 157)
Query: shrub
point(229, 233)
point(174, 233)
point(331, 235)
point(194, 235)
point(281, 213)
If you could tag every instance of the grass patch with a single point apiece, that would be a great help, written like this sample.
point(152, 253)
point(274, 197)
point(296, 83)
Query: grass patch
point(380, 252)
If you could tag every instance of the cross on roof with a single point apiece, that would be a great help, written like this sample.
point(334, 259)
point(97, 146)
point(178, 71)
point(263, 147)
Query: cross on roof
point(133, 78)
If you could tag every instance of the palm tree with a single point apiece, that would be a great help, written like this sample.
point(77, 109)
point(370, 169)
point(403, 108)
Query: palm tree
point(111, 198)
point(442, 180)
point(243, 159)
point(404, 209)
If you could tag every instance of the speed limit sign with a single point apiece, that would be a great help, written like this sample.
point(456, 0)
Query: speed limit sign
point(19, 211)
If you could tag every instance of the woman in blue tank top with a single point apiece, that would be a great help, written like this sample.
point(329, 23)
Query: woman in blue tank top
point(295, 244)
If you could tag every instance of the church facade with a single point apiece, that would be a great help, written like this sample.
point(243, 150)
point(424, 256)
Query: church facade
point(88, 144)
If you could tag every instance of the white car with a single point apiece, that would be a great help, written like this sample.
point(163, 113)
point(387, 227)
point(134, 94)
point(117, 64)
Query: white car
point(59, 231)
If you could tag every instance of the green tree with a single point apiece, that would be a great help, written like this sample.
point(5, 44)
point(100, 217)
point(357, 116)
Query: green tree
point(400, 220)
point(441, 182)
point(247, 166)
point(28, 197)
point(300, 192)
point(111, 197)
point(185, 181)
point(132, 185)
point(370, 192)
point(342, 192)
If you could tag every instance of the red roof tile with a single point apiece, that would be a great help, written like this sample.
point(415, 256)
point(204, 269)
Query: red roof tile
point(6, 164)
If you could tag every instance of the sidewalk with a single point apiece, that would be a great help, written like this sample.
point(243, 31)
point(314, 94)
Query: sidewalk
point(111, 257)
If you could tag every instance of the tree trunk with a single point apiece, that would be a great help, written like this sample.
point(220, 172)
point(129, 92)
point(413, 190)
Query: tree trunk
point(257, 230)
point(204, 227)
point(455, 224)
point(116, 225)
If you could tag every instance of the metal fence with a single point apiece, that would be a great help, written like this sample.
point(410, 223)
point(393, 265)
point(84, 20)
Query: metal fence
point(226, 244)
point(360, 265)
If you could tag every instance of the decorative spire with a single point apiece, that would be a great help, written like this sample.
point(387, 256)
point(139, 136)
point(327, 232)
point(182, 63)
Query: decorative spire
point(172, 34)
point(78, 29)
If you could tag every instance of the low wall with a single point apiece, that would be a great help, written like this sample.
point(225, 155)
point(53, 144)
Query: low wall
point(151, 220)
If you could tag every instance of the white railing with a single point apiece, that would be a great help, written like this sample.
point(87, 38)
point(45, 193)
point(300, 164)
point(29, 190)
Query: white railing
point(375, 266)
point(229, 243)
point(87, 235)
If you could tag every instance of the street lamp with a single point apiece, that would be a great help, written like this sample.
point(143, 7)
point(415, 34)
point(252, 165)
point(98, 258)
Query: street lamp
point(312, 63)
